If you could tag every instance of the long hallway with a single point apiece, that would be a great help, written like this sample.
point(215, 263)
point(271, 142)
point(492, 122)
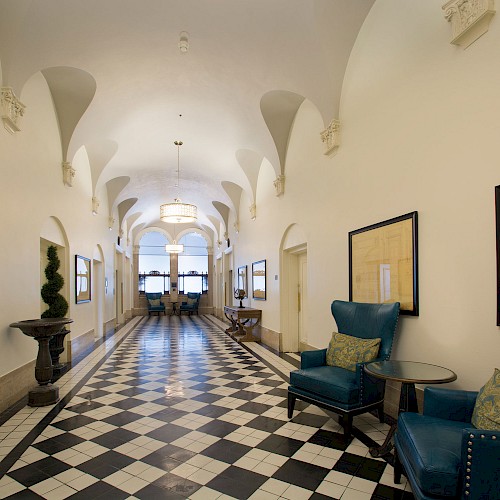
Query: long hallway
point(171, 407)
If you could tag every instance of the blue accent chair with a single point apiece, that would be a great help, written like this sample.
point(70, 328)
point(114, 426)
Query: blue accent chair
point(153, 306)
point(191, 304)
point(442, 454)
point(339, 390)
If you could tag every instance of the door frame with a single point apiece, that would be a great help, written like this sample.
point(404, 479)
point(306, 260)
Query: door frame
point(290, 341)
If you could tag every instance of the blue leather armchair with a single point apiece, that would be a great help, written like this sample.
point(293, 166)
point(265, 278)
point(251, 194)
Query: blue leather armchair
point(191, 305)
point(154, 303)
point(339, 390)
point(443, 455)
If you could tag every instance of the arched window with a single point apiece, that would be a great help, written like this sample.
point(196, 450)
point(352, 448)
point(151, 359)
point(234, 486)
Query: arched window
point(154, 263)
point(193, 264)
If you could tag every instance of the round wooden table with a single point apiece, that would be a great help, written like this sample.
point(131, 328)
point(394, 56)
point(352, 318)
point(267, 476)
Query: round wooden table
point(408, 373)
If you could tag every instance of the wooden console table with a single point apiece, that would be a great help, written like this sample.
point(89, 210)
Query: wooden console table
point(243, 320)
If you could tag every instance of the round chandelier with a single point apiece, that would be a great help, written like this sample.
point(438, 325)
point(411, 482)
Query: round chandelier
point(178, 212)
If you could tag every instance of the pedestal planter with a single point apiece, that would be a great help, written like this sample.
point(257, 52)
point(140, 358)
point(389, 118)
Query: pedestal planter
point(56, 348)
point(42, 330)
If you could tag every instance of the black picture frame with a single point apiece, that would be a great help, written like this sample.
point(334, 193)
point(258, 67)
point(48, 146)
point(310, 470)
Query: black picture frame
point(83, 279)
point(383, 263)
point(259, 280)
point(243, 278)
point(497, 218)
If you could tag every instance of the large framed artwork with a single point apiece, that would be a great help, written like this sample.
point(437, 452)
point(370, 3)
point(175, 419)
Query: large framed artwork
point(259, 280)
point(82, 279)
point(383, 263)
point(497, 207)
point(242, 279)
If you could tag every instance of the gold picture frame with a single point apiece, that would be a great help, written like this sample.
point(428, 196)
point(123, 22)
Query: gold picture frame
point(83, 284)
point(383, 263)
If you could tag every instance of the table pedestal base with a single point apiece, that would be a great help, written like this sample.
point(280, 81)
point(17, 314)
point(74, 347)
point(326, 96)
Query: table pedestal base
point(407, 402)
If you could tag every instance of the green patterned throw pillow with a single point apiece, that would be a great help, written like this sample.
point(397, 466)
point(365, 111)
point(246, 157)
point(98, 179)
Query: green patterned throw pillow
point(345, 351)
point(486, 414)
point(154, 302)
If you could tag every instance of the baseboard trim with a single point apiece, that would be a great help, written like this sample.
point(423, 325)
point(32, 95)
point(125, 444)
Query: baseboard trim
point(16, 385)
point(75, 346)
point(109, 326)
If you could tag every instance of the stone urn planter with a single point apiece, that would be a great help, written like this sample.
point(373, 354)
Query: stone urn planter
point(56, 348)
point(42, 330)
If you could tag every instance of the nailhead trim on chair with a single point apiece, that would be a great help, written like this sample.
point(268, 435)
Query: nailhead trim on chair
point(469, 463)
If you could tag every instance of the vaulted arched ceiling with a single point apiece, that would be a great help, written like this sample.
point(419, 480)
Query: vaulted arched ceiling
point(124, 90)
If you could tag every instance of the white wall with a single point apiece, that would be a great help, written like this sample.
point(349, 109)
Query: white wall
point(420, 131)
point(32, 192)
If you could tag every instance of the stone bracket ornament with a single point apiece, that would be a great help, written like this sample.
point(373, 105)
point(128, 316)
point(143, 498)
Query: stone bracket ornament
point(95, 205)
point(12, 109)
point(68, 173)
point(469, 19)
point(253, 211)
point(111, 222)
point(331, 137)
point(279, 185)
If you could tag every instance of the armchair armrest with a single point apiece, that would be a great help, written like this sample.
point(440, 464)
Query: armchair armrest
point(311, 359)
point(450, 404)
point(480, 458)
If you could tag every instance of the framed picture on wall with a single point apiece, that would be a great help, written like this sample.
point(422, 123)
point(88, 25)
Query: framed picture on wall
point(242, 279)
point(259, 280)
point(383, 263)
point(82, 279)
point(497, 216)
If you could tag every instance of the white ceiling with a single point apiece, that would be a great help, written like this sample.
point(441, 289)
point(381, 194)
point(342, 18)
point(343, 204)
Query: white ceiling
point(123, 89)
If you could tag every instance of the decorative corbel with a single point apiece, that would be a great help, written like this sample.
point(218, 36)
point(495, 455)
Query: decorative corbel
point(279, 185)
point(253, 211)
point(469, 19)
point(95, 205)
point(68, 173)
point(331, 137)
point(236, 226)
point(111, 223)
point(12, 109)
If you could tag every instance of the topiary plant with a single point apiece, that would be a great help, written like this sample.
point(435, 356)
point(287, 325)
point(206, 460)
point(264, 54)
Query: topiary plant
point(58, 305)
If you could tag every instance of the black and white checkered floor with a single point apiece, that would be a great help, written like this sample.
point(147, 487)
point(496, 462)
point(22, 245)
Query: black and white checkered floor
point(173, 408)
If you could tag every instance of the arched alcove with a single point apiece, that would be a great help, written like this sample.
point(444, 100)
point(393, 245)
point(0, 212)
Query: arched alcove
point(53, 233)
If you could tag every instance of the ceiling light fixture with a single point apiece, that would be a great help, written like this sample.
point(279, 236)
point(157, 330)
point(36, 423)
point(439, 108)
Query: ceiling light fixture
point(178, 212)
point(174, 247)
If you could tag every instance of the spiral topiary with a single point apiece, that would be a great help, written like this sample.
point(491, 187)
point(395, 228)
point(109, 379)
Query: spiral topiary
point(58, 305)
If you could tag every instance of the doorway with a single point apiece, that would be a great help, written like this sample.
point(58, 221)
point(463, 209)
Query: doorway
point(294, 295)
point(98, 297)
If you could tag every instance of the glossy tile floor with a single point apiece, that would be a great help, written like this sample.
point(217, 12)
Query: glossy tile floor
point(173, 408)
